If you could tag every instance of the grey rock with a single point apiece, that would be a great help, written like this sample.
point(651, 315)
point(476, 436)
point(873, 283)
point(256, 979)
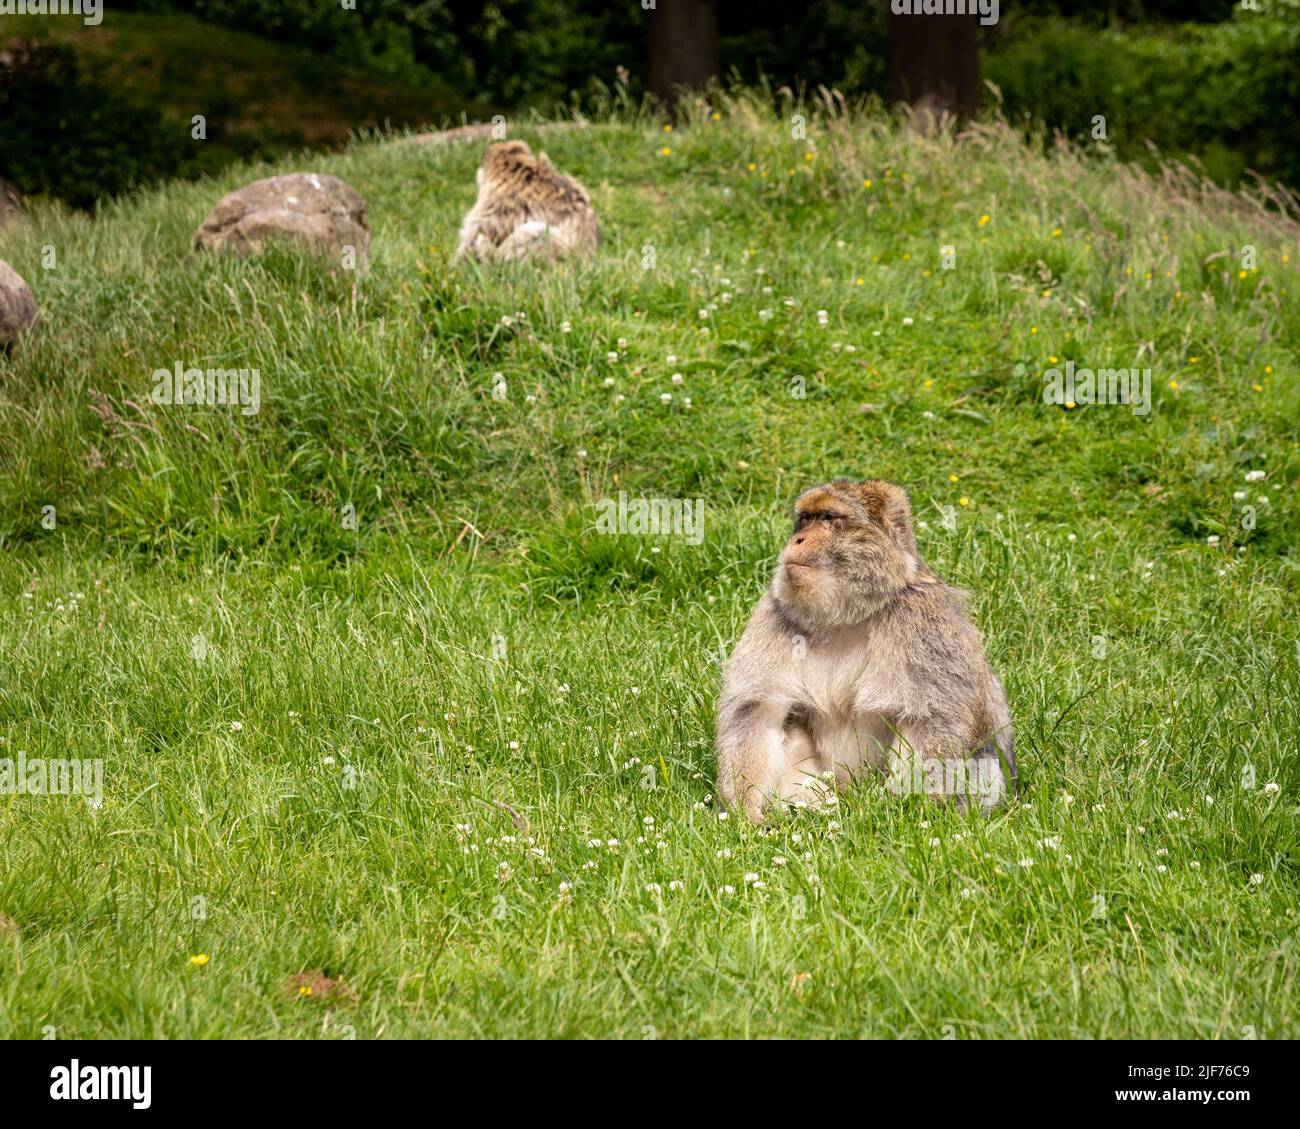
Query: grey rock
point(18, 311)
point(320, 212)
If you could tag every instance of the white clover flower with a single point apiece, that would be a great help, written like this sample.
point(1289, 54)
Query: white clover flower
point(907, 321)
point(722, 817)
point(1271, 788)
point(1256, 879)
point(823, 318)
point(236, 726)
point(677, 378)
point(676, 884)
point(704, 314)
point(672, 358)
point(1239, 495)
point(779, 860)
point(1026, 863)
point(622, 342)
point(728, 889)
point(686, 401)
point(1212, 539)
point(611, 357)
point(1255, 476)
point(566, 327)
point(665, 397)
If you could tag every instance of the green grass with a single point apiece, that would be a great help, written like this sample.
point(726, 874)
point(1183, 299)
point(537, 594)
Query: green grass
point(313, 729)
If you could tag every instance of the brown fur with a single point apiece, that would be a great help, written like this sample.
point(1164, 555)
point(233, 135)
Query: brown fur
point(526, 209)
point(859, 655)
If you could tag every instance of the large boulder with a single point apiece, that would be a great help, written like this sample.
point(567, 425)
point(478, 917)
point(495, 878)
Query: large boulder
point(18, 311)
point(320, 212)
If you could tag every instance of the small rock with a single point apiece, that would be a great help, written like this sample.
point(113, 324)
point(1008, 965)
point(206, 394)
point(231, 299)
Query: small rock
point(318, 211)
point(17, 306)
point(11, 202)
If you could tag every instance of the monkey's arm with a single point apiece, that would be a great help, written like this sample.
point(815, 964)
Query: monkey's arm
point(755, 701)
point(751, 752)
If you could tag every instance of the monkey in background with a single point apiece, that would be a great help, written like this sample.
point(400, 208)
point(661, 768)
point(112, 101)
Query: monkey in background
point(858, 655)
point(526, 210)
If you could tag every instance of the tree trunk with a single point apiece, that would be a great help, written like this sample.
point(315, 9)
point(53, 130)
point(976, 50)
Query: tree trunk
point(682, 47)
point(934, 64)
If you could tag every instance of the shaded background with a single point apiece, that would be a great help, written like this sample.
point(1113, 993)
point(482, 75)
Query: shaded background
point(88, 112)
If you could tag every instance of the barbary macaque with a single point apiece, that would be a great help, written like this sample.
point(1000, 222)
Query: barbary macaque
point(858, 656)
point(526, 210)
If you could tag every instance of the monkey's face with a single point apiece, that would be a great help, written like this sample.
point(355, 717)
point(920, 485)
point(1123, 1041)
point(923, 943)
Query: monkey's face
point(852, 545)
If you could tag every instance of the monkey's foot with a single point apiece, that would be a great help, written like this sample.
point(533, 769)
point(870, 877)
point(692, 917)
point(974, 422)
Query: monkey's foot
point(807, 792)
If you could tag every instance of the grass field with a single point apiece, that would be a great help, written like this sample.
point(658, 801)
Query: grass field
point(449, 773)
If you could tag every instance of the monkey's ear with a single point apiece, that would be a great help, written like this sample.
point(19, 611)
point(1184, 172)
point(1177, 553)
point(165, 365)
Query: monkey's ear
point(898, 517)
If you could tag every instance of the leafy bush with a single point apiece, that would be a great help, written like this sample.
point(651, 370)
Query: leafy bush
point(65, 134)
point(1228, 92)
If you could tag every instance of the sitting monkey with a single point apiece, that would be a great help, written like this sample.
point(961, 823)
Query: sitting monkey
point(858, 655)
point(525, 209)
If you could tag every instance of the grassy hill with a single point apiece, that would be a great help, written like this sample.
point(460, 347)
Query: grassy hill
point(458, 759)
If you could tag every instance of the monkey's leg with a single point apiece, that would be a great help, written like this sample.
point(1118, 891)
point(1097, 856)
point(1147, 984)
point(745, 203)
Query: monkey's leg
point(846, 745)
point(531, 240)
point(801, 783)
point(751, 755)
point(949, 772)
